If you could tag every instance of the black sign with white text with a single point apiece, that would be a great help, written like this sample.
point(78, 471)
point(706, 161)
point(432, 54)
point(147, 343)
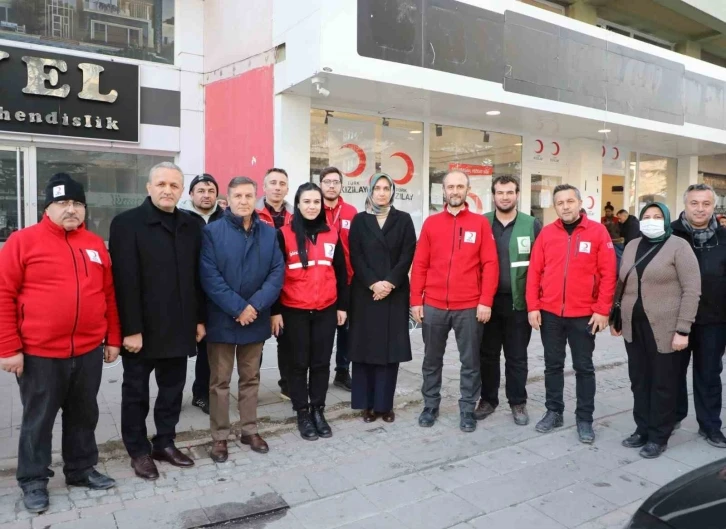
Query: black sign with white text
point(65, 95)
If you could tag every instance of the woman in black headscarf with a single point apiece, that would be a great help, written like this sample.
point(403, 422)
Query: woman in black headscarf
point(382, 244)
point(313, 302)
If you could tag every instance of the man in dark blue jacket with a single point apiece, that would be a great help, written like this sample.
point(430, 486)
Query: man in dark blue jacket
point(242, 271)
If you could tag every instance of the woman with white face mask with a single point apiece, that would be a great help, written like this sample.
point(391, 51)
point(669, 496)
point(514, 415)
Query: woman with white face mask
point(659, 287)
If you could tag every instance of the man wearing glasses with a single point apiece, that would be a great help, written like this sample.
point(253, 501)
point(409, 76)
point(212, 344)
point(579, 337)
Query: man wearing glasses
point(339, 215)
point(57, 305)
point(707, 340)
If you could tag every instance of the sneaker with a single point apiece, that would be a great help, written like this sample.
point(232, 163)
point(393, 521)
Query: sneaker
point(202, 403)
point(428, 417)
point(467, 422)
point(550, 420)
point(483, 410)
point(342, 380)
point(715, 438)
point(520, 415)
point(585, 432)
point(635, 441)
point(652, 450)
point(36, 500)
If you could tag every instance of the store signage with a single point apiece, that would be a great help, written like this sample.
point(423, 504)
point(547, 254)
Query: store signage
point(472, 170)
point(64, 95)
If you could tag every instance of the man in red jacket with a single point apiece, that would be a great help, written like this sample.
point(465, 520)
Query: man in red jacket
point(570, 289)
point(453, 282)
point(339, 215)
point(57, 305)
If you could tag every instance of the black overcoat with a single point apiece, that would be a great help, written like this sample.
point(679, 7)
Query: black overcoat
point(379, 329)
point(156, 275)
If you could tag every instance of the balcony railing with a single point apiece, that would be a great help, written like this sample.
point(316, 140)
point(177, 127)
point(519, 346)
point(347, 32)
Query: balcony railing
point(127, 8)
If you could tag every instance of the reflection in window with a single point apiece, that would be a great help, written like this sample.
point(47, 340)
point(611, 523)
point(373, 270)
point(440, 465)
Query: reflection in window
point(114, 182)
point(9, 218)
point(657, 181)
point(139, 29)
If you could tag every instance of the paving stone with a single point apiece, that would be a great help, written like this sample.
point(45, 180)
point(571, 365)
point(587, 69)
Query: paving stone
point(508, 459)
point(438, 512)
point(332, 512)
point(328, 482)
point(379, 467)
point(694, 453)
point(388, 495)
point(241, 502)
point(453, 475)
point(45, 520)
point(295, 489)
point(184, 514)
point(659, 471)
point(522, 516)
point(378, 521)
point(572, 506)
point(20, 524)
point(620, 487)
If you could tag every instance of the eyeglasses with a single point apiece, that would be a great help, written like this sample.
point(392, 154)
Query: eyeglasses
point(331, 183)
point(65, 203)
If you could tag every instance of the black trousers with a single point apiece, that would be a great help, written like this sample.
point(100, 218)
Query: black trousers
point(200, 388)
point(508, 329)
point(47, 386)
point(654, 380)
point(706, 343)
point(308, 337)
point(557, 332)
point(342, 364)
point(283, 362)
point(373, 387)
point(171, 375)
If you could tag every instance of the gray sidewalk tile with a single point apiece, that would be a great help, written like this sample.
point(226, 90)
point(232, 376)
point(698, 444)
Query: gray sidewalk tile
point(521, 516)
point(659, 471)
point(405, 490)
point(334, 511)
point(438, 512)
point(572, 506)
point(620, 487)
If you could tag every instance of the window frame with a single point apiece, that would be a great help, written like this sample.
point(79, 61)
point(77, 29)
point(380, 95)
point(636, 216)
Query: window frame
point(627, 31)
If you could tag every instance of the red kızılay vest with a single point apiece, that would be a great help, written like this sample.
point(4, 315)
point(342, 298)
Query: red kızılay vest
point(314, 287)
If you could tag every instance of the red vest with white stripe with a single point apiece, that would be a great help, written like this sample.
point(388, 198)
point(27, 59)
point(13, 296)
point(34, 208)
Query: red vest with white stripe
point(314, 287)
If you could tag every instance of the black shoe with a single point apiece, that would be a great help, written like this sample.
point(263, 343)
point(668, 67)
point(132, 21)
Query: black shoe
point(635, 441)
point(342, 380)
point(715, 438)
point(202, 403)
point(520, 415)
point(428, 417)
point(652, 450)
point(550, 420)
point(585, 432)
point(321, 425)
point(94, 480)
point(483, 410)
point(677, 426)
point(305, 426)
point(467, 422)
point(36, 500)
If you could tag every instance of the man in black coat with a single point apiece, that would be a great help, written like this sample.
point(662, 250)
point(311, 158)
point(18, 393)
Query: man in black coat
point(629, 226)
point(155, 254)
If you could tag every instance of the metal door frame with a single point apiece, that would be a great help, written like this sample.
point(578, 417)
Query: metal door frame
point(22, 174)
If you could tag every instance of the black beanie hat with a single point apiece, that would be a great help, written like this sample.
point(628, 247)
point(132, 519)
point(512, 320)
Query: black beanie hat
point(203, 178)
point(62, 187)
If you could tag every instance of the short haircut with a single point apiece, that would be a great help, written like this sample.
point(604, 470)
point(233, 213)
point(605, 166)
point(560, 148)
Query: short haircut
point(505, 179)
point(241, 181)
point(165, 165)
point(456, 171)
point(274, 170)
point(331, 170)
point(699, 187)
point(623, 211)
point(566, 187)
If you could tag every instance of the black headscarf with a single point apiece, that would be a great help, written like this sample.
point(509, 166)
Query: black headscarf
point(305, 229)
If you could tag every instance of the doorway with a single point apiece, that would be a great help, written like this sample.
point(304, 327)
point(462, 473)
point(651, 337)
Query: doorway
point(13, 180)
point(613, 192)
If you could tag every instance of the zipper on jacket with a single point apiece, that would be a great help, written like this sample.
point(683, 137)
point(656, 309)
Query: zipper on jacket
point(85, 264)
point(567, 265)
point(451, 260)
point(78, 297)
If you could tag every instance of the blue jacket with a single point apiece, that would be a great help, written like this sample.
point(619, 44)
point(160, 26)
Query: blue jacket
point(239, 269)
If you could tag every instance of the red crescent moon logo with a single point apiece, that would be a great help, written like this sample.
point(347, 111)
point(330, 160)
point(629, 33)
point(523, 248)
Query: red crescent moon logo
point(592, 202)
point(409, 168)
point(541, 147)
point(617, 153)
point(603, 151)
point(361, 159)
point(557, 147)
point(477, 202)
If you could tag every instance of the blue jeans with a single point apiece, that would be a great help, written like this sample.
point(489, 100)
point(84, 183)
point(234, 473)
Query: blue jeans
point(342, 364)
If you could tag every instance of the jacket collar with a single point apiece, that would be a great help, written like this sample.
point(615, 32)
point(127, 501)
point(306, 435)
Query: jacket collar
point(337, 206)
point(285, 204)
point(58, 231)
point(188, 206)
point(237, 222)
point(462, 211)
point(155, 215)
point(584, 222)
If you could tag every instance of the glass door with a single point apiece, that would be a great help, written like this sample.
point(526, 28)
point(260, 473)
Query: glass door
point(13, 179)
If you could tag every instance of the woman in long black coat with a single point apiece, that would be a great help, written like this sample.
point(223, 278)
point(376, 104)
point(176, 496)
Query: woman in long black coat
point(382, 244)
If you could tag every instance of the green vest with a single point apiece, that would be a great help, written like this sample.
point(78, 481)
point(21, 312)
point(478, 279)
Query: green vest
point(520, 247)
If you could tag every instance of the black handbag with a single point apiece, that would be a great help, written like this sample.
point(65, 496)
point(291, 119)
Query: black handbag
point(615, 319)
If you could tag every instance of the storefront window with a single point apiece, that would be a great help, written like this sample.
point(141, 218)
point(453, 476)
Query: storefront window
point(361, 146)
point(657, 181)
point(481, 155)
point(138, 29)
point(9, 190)
point(114, 182)
point(712, 171)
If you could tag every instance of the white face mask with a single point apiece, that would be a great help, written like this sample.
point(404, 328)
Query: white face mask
point(652, 228)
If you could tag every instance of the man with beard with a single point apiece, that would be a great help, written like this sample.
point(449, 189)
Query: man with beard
point(202, 205)
point(453, 281)
point(514, 233)
point(339, 216)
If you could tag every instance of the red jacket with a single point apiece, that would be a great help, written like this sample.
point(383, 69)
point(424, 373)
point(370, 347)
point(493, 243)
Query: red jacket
point(266, 217)
point(314, 287)
point(56, 293)
point(340, 218)
point(572, 276)
point(455, 266)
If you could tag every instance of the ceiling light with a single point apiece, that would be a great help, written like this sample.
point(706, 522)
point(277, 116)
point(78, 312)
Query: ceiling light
point(414, 132)
point(517, 144)
point(493, 113)
point(604, 131)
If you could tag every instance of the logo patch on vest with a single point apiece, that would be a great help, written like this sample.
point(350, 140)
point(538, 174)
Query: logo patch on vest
point(585, 246)
point(94, 257)
point(470, 236)
point(345, 224)
point(524, 245)
point(329, 250)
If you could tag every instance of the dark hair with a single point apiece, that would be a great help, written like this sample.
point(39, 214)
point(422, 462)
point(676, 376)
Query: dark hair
point(302, 227)
point(623, 211)
point(609, 206)
point(566, 187)
point(505, 179)
point(331, 170)
point(241, 181)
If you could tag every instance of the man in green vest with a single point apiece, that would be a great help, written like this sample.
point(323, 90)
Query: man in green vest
point(508, 328)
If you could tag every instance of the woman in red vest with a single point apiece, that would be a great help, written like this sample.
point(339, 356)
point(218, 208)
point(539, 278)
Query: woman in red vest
point(313, 302)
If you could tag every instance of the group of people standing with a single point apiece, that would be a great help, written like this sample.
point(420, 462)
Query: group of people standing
point(186, 279)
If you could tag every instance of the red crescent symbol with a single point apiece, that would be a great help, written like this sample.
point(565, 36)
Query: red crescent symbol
point(477, 201)
point(557, 145)
point(409, 168)
point(541, 146)
point(603, 151)
point(617, 153)
point(361, 159)
point(592, 202)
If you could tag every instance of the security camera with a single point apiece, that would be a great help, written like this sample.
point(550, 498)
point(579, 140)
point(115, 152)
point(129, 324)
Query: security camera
point(323, 91)
point(317, 81)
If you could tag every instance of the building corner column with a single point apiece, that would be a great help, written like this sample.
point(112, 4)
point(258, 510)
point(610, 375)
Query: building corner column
point(292, 138)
